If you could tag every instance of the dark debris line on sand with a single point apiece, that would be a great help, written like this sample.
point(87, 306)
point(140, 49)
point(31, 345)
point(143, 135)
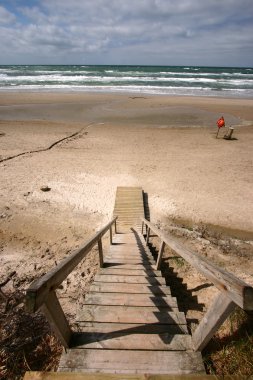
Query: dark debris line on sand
point(48, 148)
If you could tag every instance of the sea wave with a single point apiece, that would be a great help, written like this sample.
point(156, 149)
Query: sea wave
point(172, 80)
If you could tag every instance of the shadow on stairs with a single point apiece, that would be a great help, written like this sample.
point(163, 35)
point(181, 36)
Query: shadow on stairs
point(130, 323)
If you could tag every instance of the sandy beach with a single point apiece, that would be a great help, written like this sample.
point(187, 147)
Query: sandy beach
point(82, 146)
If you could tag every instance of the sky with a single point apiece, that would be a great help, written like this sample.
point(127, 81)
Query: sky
point(130, 32)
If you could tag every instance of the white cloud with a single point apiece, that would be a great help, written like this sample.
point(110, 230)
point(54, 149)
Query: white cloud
point(6, 17)
point(130, 31)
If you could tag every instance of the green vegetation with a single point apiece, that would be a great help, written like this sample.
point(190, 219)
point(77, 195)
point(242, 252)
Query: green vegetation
point(231, 350)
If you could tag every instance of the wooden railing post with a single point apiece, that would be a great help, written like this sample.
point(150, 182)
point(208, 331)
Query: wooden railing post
point(217, 314)
point(115, 227)
point(147, 237)
point(57, 319)
point(160, 254)
point(142, 228)
point(100, 251)
point(111, 235)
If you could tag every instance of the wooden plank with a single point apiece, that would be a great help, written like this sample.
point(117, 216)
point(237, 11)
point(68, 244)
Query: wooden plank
point(128, 341)
point(122, 189)
point(238, 291)
point(127, 255)
point(126, 299)
point(126, 240)
point(129, 288)
point(123, 251)
point(135, 198)
point(138, 328)
point(100, 252)
point(119, 258)
point(130, 196)
point(129, 251)
point(132, 267)
point(129, 204)
point(55, 315)
point(123, 361)
point(126, 246)
point(127, 223)
point(160, 254)
point(129, 272)
point(129, 212)
point(124, 221)
point(128, 215)
point(129, 314)
point(129, 227)
point(129, 279)
point(147, 236)
point(33, 375)
point(132, 206)
point(212, 320)
point(128, 218)
point(130, 258)
point(111, 235)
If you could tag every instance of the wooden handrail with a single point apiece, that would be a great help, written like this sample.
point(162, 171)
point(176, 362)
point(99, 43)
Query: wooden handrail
point(233, 291)
point(240, 292)
point(38, 291)
point(41, 293)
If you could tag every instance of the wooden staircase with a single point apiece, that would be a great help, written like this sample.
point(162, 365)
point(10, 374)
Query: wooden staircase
point(130, 326)
point(129, 207)
point(130, 323)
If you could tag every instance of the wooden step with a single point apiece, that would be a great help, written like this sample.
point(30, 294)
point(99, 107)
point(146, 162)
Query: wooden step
point(129, 288)
point(130, 314)
point(34, 375)
point(129, 279)
point(127, 341)
point(127, 361)
point(138, 328)
point(129, 299)
point(126, 255)
point(129, 266)
point(130, 272)
point(124, 250)
point(118, 260)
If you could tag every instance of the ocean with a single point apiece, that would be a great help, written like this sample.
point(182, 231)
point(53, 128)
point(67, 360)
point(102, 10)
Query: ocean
point(163, 80)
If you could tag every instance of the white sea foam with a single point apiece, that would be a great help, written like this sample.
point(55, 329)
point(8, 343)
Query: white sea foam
point(148, 80)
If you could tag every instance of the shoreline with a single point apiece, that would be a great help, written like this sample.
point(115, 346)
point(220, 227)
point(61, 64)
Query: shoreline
point(137, 94)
